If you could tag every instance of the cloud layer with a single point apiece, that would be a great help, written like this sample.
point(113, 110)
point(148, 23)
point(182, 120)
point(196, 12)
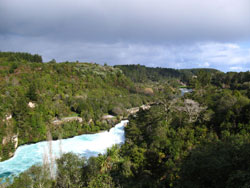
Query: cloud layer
point(190, 33)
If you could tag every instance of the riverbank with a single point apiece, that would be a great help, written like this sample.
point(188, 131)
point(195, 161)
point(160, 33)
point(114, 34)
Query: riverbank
point(108, 121)
point(84, 145)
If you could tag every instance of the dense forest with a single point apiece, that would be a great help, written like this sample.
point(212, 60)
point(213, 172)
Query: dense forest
point(140, 73)
point(65, 99)
point(200, 140)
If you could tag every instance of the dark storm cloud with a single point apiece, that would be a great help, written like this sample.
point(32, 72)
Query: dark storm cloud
point(127, 20)
point(169, 33)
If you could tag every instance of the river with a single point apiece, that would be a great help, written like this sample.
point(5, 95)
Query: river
point(185, 90)
point(84, 145)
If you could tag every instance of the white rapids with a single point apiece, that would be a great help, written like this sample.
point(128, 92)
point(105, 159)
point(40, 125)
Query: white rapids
point(85, 145)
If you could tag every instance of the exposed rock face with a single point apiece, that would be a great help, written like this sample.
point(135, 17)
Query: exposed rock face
point(136, 109)
point(5, 140)
point(8, 117)
point(14, 140)
point(67, 119)
point(148, 91)
point(31, 105)
point(90, 121)
point(105, 117)
point(133, 110)
point(145, 107)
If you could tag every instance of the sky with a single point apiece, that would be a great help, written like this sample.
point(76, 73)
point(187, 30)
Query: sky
point(156, 33)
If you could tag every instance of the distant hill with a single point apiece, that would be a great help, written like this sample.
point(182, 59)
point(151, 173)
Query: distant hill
point(141, 73)
point(18, 56)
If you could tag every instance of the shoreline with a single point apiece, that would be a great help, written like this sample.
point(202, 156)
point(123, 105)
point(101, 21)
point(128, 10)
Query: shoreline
point(86, 145)
point(87, 133)
point(41, 141)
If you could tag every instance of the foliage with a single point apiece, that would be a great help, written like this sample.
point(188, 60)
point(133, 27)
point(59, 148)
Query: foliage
point(140, 73)
point(69, 171)
point(198, 140)
point(17, 56)
point(37, 95)
point(36, 176)
point(220, 164)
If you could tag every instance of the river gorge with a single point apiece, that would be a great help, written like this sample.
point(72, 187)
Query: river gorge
point(86, 145)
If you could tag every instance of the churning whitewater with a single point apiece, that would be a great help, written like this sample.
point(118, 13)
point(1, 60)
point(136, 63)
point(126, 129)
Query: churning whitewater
point(85, 145)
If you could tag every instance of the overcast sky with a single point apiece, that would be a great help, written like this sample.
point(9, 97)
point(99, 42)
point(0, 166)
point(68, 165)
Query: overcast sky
point(163, 33)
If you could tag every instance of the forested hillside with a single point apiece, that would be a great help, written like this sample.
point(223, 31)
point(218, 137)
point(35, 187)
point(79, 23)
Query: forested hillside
point(200, 140)
point(142, 74)
point(65, 99)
